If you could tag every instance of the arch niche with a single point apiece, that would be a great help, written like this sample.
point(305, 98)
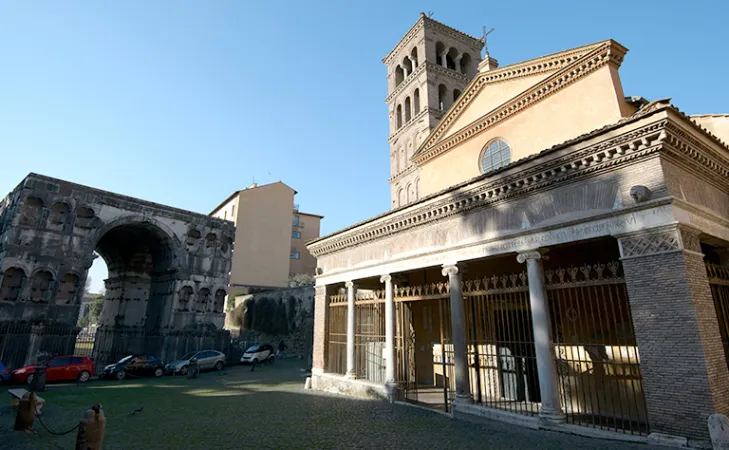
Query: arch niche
point(142, 258)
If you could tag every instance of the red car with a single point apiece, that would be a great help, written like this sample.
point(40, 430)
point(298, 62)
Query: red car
point(60, 368)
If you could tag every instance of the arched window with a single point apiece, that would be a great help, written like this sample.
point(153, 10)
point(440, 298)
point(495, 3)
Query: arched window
point(401, 197)
point(439, 53)
point(184, 297)
point(12, 283)
point(193, 236)
point(416, 102)
point(414, 57)
point(408, 114)
point(399, 76)
point(399, 116)
point(66, 294)
point(456, 94)
point(408, 66)
point(451, 58)
point(442, 93)
point(203, 298)
point(466, 64)
point(31, 210)
point(59, 213)
point(219, 301)
point(408, 191)
point(495, 154)
point(40, 286)
point(210, 240)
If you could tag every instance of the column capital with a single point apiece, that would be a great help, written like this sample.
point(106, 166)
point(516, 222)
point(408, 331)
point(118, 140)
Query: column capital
point(349, 284)
point(387, 278)
point(532, 254)
point(450, 269)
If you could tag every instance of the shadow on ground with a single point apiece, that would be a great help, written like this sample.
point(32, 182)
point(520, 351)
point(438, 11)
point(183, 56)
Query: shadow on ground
point(266, 409)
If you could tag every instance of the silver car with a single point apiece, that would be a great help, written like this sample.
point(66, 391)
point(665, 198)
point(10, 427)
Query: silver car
point(206, 360)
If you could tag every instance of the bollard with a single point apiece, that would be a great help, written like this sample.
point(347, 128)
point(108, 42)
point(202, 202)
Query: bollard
point(26, 412)
point(38, 383)
point(193, 370)
point(91, 429)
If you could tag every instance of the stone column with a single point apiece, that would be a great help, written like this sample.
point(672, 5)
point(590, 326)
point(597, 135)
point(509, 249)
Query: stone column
point(321, 312)
point(682, 360)
point(458, 63)
point(458, 325)
point(350, 329)
point(551, 411)
point(443, 61)
point(389, 330)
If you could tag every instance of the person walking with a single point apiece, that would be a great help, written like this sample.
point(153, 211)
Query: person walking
point(281, 349)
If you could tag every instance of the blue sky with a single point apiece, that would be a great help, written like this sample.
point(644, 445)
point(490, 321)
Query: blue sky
point(183, 102)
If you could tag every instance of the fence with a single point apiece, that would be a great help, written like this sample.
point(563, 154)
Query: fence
point(719, 282)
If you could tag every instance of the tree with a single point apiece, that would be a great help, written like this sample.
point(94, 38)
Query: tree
point(301, 279)
point(95, 309)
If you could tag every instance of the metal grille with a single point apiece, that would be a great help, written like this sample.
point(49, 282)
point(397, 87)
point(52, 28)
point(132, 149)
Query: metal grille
point(369, 341)
point(502, 360)
point(719, 282)
point(337, 343)
point(598, 363)
point(25, 344)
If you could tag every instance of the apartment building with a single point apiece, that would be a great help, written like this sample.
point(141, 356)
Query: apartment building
point(270, 235)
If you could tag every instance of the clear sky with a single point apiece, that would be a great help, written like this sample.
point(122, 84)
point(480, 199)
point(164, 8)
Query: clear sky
point(183, 102)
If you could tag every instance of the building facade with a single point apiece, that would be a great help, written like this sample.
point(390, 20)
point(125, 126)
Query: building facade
point(269, 236)
point(564, 265)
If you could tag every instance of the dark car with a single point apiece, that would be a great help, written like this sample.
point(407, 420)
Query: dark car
point(135, 366)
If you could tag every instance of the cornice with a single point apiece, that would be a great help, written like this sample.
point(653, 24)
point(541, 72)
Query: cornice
point(409, 36)
point(691, 152)
point(594, 159)
point(568, 72)
point(402, 174)
point(424, 112)
point(421, 68)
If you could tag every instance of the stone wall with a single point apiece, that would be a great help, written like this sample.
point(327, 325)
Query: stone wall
point(271, 316)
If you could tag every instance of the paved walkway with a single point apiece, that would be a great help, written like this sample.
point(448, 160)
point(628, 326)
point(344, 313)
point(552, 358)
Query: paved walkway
point(266, 409)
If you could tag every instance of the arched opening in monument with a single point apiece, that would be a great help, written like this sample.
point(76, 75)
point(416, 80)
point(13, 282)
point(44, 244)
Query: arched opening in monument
point(140, 260)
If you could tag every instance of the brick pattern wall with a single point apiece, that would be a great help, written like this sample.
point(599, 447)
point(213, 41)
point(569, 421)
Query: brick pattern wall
point(320, 328)
point(682, 360)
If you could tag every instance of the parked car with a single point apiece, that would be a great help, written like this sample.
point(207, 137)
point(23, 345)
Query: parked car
point(58, 368)
point(135, 365)
point(206, 360)
point(258, 354)
point(4, 373)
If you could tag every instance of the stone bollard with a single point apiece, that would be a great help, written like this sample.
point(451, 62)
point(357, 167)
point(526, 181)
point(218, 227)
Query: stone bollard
point(38, 383)
point(193, 370)
point(90, 434)
point(307, 383)
point(26, 412)
point(719, 431)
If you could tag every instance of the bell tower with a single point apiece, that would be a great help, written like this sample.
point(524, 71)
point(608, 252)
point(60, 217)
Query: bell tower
point(426, 72)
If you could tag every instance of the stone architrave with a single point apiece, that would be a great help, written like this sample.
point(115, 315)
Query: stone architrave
point(719, 431)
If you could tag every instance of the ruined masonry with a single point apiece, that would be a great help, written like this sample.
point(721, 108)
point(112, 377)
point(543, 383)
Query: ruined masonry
point(168, 268)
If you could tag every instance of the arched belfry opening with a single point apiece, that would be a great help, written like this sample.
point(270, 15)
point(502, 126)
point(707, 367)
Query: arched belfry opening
point(141, 259)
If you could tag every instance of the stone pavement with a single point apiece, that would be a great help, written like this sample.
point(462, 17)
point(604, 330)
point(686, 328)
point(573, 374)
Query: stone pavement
point(266, 409)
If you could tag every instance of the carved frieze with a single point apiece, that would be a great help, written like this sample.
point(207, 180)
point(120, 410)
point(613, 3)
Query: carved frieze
point(650, 242)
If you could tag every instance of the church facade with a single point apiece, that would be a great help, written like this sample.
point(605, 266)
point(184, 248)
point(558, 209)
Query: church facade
point(561, 262)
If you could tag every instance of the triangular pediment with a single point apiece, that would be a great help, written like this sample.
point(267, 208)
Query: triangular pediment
point(496, 94)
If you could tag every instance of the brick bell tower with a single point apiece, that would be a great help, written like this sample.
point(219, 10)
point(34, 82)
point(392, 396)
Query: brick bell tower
point(426, 72)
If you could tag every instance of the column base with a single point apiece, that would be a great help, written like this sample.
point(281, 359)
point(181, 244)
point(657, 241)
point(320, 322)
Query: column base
point(463, 399)
point(550, 417)
point(391, 389)
point(350, 375)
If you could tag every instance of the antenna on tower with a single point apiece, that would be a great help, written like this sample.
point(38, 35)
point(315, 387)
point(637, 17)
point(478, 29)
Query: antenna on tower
point(430, 14)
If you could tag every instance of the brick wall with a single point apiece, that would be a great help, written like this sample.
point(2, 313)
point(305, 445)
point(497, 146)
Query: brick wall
point(682, 360)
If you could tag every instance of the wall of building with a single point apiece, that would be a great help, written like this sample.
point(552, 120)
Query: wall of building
point(271, 316)
point(579, 108)
point(307, 230)
point(263, 236)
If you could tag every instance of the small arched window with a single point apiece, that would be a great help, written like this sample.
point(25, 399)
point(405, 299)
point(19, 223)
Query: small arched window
point(414, 57)
point(399, 76)
point(408, 115)
point(399, 116)
point(416, 102)
point(495, 154)
point(442, 93)
point(466, 64)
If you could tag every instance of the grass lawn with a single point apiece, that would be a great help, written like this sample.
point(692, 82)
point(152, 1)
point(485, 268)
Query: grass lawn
point(267, 409)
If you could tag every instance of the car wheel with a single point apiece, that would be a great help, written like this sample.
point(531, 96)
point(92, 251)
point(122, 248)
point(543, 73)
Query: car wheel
point(219, 366)
point(183, 370)
point(158, 372)
point(30, 378)
point(84, 376)
point(121, 375)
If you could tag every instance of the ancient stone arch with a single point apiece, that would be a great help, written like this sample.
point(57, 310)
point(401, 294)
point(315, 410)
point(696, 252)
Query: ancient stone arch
point(152, 253)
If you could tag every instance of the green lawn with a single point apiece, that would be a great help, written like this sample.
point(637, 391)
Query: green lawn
point(265, 409)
